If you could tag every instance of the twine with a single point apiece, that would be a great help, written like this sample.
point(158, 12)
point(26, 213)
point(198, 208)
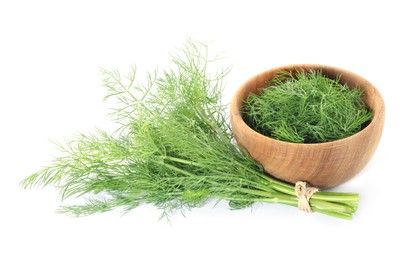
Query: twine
point(304, 193)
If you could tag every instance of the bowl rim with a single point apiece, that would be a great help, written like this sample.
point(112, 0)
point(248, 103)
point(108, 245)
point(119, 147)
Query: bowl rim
point(378, 115)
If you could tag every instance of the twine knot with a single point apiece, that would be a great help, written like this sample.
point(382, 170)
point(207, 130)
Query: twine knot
point(304, 193)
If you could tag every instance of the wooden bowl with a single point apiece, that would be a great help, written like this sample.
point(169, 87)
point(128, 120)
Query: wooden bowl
point(323, 165)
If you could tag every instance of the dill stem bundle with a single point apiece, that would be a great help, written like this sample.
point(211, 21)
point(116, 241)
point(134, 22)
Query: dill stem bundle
point(173, 149)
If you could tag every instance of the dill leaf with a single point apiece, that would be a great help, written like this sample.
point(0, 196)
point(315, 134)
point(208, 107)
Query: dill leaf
point(306, 108)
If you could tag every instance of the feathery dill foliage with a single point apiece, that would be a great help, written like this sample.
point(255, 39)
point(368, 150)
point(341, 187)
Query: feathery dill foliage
point(307, 108)
point(173, 149)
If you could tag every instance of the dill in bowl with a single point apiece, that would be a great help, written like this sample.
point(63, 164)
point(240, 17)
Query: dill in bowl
point(306, 107)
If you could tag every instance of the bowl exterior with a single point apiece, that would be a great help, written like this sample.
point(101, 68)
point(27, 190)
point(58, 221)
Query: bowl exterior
point(323, 165)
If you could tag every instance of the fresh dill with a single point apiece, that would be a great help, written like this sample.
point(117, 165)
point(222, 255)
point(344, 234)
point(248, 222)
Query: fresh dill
point(307, 107)
point(174, 149)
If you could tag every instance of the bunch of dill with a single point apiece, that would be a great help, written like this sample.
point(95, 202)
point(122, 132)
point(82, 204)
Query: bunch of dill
point(173, 149)
point(306, 107)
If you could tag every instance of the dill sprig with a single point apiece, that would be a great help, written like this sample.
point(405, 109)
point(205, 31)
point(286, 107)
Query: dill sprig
point(307, 107)
point(173, 149)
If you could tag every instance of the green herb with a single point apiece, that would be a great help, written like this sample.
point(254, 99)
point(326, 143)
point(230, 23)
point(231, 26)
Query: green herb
point(307, 108)
point(173, 149)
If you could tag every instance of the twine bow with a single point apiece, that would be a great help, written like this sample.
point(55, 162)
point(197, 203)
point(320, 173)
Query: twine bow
point(304, 193)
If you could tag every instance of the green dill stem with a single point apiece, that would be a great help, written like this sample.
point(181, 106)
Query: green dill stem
point(260, 193)
point(233, 198)
point(179, 160)
point(347, 216)
point(278, 185)
point(187, 162)
point(337, 197)
point(325, 196)
point(330, 203)
point(321, 202)
point(324, 207)
point(330, 209)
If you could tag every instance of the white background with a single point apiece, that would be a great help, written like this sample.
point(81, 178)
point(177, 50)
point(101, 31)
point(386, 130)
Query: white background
point(50, 55)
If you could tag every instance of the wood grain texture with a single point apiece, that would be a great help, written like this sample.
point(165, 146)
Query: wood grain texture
point(323, 165)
